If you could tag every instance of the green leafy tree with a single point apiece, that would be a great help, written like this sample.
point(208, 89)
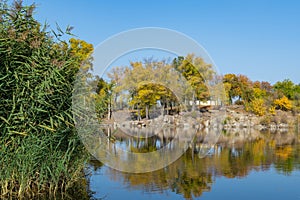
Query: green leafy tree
point(116, 75)
point(296, 106)
point(103, 98)
point(198, 74)
point(246, 88)
point(285, 88)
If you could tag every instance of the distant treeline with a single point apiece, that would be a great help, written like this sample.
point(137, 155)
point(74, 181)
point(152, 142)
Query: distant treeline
point(143, 84)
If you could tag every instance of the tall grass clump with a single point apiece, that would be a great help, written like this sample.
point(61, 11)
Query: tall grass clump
point(40, 152)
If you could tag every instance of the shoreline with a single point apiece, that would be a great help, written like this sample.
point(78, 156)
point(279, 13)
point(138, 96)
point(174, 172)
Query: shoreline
point(232, 118)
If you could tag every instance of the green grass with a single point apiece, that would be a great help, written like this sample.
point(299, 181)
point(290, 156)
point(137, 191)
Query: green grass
point(40, 165)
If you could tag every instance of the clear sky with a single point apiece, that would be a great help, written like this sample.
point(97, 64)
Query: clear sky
point(258, 38)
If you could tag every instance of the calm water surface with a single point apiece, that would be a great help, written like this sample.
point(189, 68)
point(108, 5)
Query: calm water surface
point(240, 166)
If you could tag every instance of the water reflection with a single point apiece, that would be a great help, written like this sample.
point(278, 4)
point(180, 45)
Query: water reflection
point(235, 156)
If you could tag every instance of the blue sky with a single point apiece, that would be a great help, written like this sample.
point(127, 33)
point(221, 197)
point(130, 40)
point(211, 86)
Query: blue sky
point(258, 38)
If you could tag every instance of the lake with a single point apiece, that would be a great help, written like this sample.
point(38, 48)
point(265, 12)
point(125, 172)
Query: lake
point(242, 165)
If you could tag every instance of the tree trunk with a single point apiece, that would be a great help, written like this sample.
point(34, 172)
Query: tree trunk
point(147, 111)
point(162, 112)
point(139, 115)
point(193, 102)
point(109, 110)
point(167, 103)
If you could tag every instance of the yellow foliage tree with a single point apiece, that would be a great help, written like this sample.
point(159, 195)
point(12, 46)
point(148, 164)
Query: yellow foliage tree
point(82, 51)
point(148, 94)
point(259, 93)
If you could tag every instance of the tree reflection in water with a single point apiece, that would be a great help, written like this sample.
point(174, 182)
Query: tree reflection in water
point(235, 156)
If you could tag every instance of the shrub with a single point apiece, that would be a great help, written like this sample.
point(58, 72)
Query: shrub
point(283, 103)
point(257, 107)
point(272, 110)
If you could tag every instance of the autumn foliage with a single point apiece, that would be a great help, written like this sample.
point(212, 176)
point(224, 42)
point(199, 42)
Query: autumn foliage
point(283, 103)
point(261, 97)
point(142, 81)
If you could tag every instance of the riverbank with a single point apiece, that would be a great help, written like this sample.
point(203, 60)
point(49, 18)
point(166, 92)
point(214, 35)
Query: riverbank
point(228, 118)
point(237, 117)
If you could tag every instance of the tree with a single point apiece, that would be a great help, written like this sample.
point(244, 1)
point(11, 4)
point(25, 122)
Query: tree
point(82, 51)
point(297, 98)
point(238, 87)
point(197, 73)
point(266, 86)
point(232, 87)
point(144, 83)
point(259, 93)
point(246, 88)
point(285, 88)
point(103, 98)
point(116, 75)
point(147, 96)
point(136, 79)
point(297, 91)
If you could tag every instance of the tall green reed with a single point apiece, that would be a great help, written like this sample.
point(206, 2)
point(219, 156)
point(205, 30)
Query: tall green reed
point(40, 152)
